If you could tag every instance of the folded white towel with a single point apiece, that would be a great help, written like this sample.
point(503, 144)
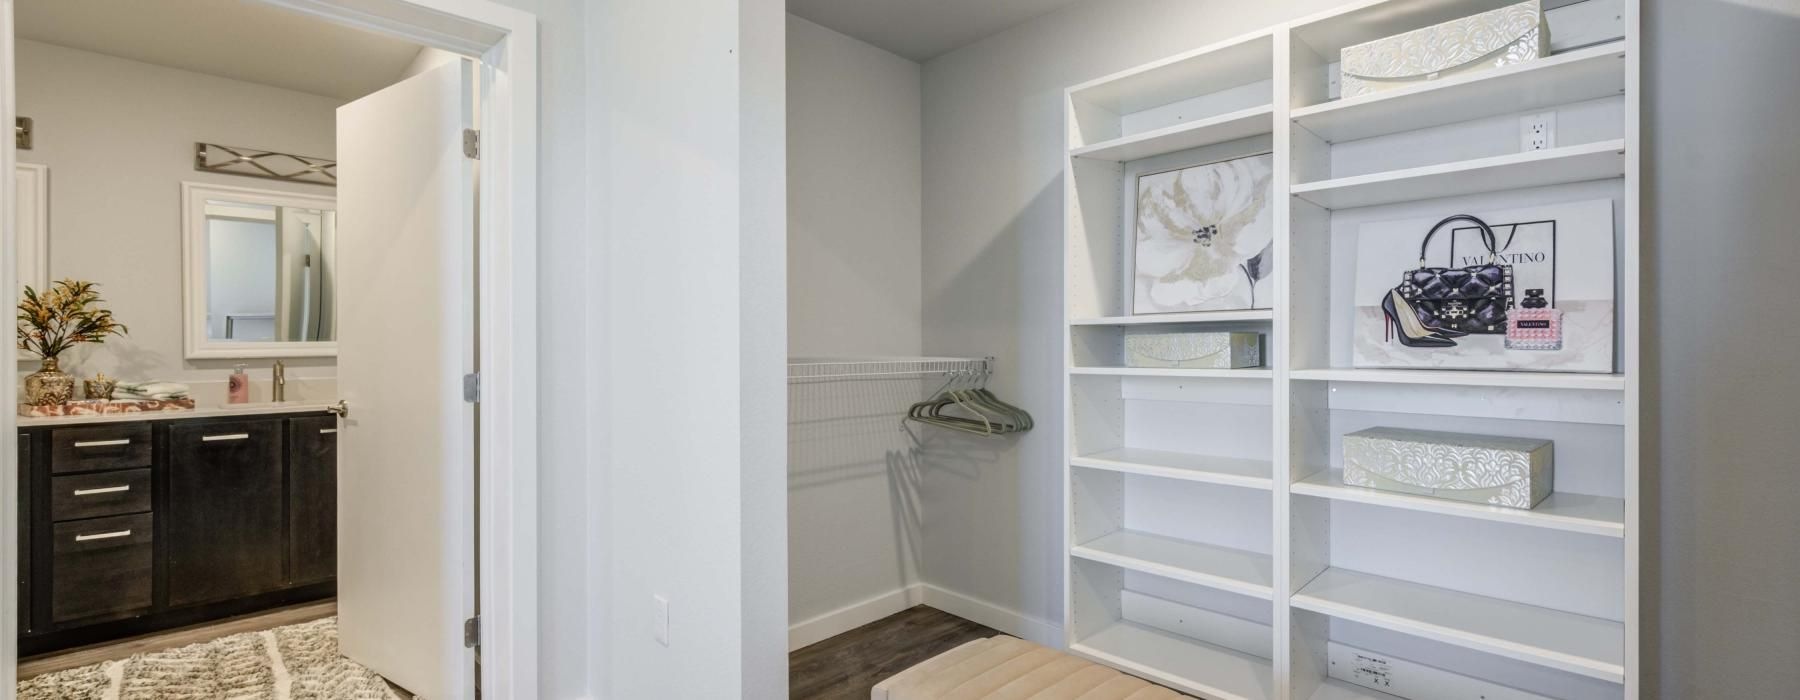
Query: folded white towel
point(153, 389)
point(154, 386)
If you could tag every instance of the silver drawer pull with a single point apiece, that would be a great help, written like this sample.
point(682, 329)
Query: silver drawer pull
point(227, 436)
point(102, 536)
point(103, 443)
point(109, 489)
point(327, 431)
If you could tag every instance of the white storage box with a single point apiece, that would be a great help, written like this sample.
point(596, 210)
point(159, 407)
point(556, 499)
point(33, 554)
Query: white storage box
point(1509, 35)
point(1500, 471)
point(1192, 349)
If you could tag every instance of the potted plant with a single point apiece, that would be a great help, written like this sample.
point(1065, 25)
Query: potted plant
point(50, 323)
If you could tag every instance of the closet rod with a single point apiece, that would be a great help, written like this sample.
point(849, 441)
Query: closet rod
point(888, 367)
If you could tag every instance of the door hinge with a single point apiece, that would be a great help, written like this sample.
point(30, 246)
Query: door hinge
point(472, 387)
point(471, 143)
point(472, 632)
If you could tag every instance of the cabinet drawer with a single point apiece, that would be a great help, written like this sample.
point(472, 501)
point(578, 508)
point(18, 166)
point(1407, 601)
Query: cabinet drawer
point(100, 569)
point(97, 495)
point(97, 447)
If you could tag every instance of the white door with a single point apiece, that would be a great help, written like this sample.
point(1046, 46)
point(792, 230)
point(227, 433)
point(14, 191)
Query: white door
point(406, 518)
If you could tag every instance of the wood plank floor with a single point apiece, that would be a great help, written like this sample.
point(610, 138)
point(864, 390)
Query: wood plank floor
point(845, 667)
point(180, 637)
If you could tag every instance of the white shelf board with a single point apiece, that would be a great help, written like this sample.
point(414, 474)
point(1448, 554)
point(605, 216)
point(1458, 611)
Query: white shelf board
point(1334, 689)
point(1250, 373)
point(1512, 380)
point(1185, 664)
point(1225, 471)
point(1212, 566)
point(1585, 74)
point(1180, 137)
point(1213, 68)
point(1188, 317)
point(1556, 166)
point(1569, 512)
point(1579, 644)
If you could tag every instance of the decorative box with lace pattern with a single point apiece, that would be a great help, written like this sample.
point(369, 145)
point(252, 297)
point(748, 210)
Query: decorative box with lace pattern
point(1192, 350)
point(1491, 470)
point(1502, 37)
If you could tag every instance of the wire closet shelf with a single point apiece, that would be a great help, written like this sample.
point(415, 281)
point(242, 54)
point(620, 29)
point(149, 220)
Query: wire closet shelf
point(810, 369)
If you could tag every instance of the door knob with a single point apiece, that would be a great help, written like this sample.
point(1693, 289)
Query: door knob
point(341, 408)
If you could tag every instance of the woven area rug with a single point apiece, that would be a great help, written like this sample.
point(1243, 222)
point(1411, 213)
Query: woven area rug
point(296, 662)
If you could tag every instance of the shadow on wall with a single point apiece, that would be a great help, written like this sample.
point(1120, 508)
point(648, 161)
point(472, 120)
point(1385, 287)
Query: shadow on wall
point(994, 532)
point(853, 491)
point(1719, 200)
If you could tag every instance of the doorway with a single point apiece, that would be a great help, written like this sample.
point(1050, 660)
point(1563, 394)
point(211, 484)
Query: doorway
point(499, 316)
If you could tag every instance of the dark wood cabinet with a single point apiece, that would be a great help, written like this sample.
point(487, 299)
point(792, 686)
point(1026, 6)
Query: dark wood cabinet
point(312, 499)
point(25, 529)
point(139, 526)
point(226, 531)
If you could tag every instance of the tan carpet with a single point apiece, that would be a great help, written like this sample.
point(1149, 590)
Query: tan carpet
point(296, 662)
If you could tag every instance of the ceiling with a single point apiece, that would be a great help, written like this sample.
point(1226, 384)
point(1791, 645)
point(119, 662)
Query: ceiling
point(921, 29)
point(228, 38)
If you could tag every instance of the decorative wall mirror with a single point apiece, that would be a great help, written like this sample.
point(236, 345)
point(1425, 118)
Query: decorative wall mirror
point(31, 222)
point(258, 272)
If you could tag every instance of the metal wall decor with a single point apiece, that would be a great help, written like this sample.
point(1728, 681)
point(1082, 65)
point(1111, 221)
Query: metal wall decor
point(236, 160)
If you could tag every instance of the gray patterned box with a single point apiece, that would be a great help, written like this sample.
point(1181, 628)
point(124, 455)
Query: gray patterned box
point(1192, 349)
point(1498, 471)
point(1502, 37)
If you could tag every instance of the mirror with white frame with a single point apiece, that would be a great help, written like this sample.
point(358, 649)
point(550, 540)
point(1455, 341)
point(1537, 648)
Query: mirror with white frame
point(259, 272)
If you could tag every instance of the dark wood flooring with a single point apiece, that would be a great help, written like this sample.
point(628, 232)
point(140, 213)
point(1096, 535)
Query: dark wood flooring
point(845, 667)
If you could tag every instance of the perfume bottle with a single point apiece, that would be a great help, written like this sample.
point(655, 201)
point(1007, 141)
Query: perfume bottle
point(1536, 326)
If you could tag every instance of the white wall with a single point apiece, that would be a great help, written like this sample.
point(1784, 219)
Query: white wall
point(853, 290)
point(685, 198)
point(993, 269)
point(119, 138)
point(853, 198)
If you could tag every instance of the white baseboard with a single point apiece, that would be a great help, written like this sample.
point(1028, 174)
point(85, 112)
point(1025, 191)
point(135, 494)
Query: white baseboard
point(1009, 621)
point(852, 616)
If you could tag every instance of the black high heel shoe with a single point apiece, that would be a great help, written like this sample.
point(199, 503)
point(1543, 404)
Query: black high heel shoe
point(1410, 332)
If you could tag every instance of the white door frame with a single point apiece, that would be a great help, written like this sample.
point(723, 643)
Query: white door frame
point(505, 39)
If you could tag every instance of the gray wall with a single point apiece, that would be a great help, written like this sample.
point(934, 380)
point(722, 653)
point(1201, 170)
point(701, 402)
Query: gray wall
point(853, 290)
point(1723, 213)
point(853, 196)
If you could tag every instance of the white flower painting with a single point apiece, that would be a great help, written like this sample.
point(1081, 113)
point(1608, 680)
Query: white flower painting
point(1205, 239)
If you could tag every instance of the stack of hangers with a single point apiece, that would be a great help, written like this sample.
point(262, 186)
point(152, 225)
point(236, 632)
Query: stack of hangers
point(964, 404)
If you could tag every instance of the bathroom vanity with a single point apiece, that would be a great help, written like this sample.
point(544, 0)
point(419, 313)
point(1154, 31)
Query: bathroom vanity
point(140, 522)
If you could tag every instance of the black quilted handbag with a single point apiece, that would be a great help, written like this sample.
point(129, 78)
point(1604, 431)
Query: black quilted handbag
point(1474, 299)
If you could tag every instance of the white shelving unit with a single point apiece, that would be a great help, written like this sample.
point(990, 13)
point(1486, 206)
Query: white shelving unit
point(1212, 544)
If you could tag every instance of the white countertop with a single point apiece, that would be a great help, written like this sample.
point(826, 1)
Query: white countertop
point(202, 411)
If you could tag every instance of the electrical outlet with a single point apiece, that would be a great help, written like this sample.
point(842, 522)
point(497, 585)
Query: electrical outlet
point(1537, 132)
point(662, 619)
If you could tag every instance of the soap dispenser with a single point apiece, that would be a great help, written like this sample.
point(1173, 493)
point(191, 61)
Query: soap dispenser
point(238, 388)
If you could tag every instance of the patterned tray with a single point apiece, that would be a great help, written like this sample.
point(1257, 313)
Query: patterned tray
point(101, 407)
